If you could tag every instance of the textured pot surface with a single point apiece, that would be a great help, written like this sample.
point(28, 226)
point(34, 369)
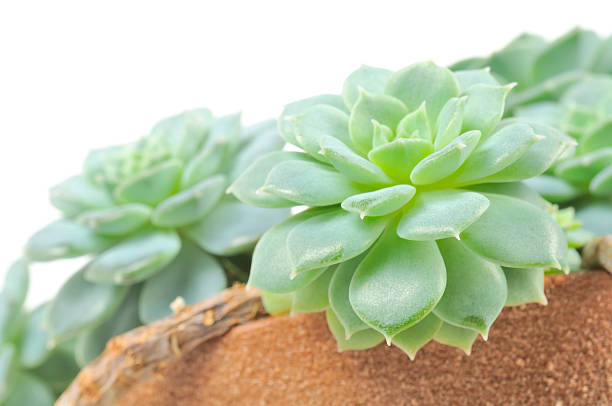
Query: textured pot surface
point(560, 354)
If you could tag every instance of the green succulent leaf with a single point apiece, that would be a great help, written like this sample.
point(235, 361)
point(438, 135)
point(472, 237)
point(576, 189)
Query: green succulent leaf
point(271, 267)
point(530, 239)
point(92, 342)
point(27, 389)
point(515, 61)
point(441, 214)
point(317, 122)
point(277, 304)
point(81, 304)
point(330, 238)
point(135, 258)
point(248, 186)
point(193, 275)
point(379, 202)
point(369, 78)
point(361, 340)
point(581, 169)
point(397, 284)
point(382, 134)
point(59, 369)
point(416, 122)
point(339, 297)
point(414, 338)
point(484, 107)
point(399, 157)
point(36, 340)
point(77, 194)
point(525, 286)
point(150, 186)
point(233, 227)
point(313, 297)
point(470, 77)
point(599, 138)
point(351, 164)
point(206, 163)
point(191, 204)
point(518, 190)
point(554, 189)
point(446, 161)
point(383, 109)
point(8, 356)
point(16, 282)
point(462, 338)
point(309, 183)
point(423, 82)
point(601, 184)
point(285, 122)
point(596, 216)
point(116, 221)
point(497, 152)
point(184, 132)
point(449, 122)
point(64, 239)
point(10, 317)
point(475, 289)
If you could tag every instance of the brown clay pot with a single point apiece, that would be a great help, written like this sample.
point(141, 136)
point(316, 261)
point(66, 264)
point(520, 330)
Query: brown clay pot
point(559, 354)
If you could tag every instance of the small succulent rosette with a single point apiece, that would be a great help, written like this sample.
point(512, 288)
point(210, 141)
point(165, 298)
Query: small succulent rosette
point(32, 372)
point(418, 226)
point(157, 223)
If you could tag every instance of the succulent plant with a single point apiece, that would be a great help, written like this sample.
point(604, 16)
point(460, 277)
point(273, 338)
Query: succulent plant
point(418, 225)
point(157, 224)
point(566, 84)
point(32, 372)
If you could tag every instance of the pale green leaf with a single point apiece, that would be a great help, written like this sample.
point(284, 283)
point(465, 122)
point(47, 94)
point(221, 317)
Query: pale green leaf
point(382, 134)
point(314, 296)
point(525, 286)
point(16, 282)
point(462, 338)
point(414, 338)
point(366, 77)
point(8, 358)
point(470, 77)
point(361, 340)
point(416, 124)
point(599, 138)
point(30, 390)
point(77, 194)
point(193, 275)
point(36, 340)
point(581, 169)
point(484, 107)
point(136, 258)
point(116, 221)
point(379, 202)
point(277, 304)
point(339, 297)
point(596, 216)
point(398, 283)
point(150, 186)
point(601, 184)
point(206, 163)
point(449, 122)
point(60, 369)
point(184, 133)
point(399, 157)
point(517, 190)
point(441, 214)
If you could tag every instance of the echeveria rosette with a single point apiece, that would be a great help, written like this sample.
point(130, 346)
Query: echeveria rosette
point(567, 84)
point(418, 226)
point(157, 223)
point(33, 370)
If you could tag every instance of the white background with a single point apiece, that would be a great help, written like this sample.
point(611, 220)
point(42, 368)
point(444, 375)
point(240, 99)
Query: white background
point(78, 75)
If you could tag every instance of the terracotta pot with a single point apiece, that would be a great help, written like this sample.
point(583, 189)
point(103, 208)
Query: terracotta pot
point(560, 354)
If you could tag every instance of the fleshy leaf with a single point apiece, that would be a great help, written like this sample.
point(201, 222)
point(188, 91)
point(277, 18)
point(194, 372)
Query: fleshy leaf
point(441, 214)
point(599, 138)
point(35, 341)
point(554, 189)
point(423, 82)
point(309, 183)
point(384, 109)
point(382, 134)
point(191, 204)
point(118, 220)
point(135, 258)
point(247, 187)
point(515, 61)
point(27, 389)
point(462, 338)
point(185, 132)
point(16, 282)
point(92, 342)
point(601, 184)
point(233, 227)
point(277, 304)
point(414, 338)
point(271, 267)
point(446, 161)
point(484, 107)
point(285, 124)
point(530, 238)
point(64, 239)
point(379, 202)
point(313, 297)
point(351, 164)
point(449, 122)
point(339, 297)
point(77, 194)
point(59, 369)
point(596, 216)
point(331, 237)
point(470, 77)
point(8, 356)
point(416, 121)
point(10, 317)
point(206, 163)
point(581, 169)
point(518, 190)
point(497, 152)
point(319, 121)
point(81, 304)
point(398, 283)
point(366, 77)
point(475, 288)
point(150, 186)
point(525, 286)
point(398, 157)
point(193, 275)
point(361, 340)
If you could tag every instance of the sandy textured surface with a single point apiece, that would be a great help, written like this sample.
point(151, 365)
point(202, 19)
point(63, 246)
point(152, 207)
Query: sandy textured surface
point(560, 354)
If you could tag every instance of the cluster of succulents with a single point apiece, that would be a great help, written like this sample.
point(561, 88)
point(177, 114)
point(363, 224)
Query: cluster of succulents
point(418, 226)
point(32, 370)
point(157, 224)
point(567, 84)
